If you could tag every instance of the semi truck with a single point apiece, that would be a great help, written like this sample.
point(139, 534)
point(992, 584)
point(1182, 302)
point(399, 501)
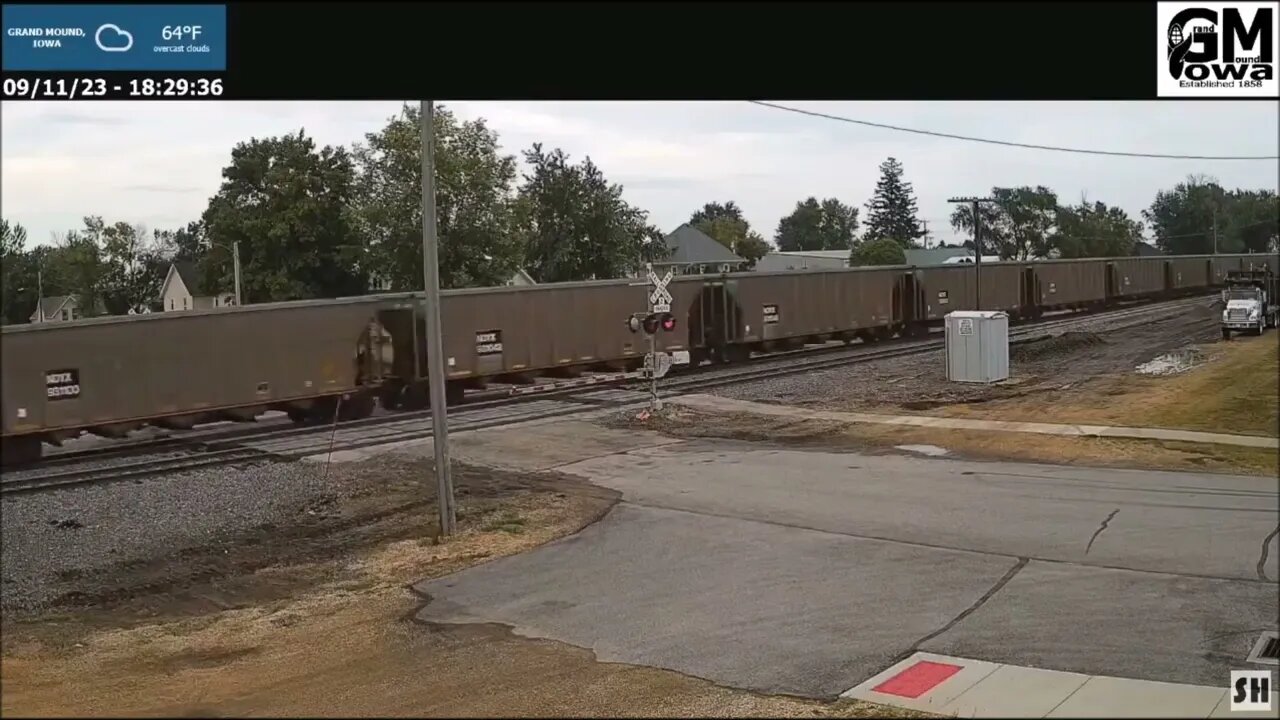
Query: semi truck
point(1250, 298)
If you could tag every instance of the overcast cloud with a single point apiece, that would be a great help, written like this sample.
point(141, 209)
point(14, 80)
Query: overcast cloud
point(158, 163)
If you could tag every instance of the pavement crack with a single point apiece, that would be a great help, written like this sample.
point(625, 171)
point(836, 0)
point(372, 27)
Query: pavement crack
point(1266, 550)
point(997, 587)
point(1098, 532)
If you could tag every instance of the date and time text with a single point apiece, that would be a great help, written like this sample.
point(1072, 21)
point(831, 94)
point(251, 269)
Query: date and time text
point(89, 87)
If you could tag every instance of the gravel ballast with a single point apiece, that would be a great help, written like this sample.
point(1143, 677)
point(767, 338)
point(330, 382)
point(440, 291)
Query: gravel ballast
point(1056, 358)
point(51, 539)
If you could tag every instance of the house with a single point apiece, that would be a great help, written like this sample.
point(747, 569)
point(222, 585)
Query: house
point(1143, 249)
point(520, 278)
point(182, 291)
point(57, 309)
point(693, 252)
point(803, 260)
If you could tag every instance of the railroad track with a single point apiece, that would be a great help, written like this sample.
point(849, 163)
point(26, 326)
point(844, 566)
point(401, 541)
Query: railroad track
point(292, 442)
point(128, 471)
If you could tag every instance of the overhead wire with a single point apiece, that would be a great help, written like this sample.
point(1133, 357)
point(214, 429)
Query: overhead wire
point(1006, 143)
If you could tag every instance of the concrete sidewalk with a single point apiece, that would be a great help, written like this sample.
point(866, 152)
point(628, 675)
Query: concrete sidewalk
point(723, 404)
point(964, 688)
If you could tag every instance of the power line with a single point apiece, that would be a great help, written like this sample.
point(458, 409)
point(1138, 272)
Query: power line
point(1007, 143)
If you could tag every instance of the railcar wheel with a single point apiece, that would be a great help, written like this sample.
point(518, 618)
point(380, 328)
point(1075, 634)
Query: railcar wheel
point(391, 397)
point(21, 450)
point(299, 417)
point(357, 407)
point(415, 397)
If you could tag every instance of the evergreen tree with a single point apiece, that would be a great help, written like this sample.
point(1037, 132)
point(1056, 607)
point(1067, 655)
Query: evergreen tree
point(892, 210)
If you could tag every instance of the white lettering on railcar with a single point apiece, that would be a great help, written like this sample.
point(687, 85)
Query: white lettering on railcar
point(489, 342)
point(64, 391)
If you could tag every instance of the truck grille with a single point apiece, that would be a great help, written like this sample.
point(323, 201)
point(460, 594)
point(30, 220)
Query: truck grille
point(1237, 315)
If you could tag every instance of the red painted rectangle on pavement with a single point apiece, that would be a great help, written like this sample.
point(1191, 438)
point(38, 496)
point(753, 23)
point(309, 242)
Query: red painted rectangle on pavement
point(917, 679)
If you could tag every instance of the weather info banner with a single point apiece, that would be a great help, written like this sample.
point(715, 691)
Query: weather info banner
point(88, 38)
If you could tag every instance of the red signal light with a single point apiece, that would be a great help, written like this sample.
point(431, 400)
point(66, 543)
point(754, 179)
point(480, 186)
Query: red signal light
point(651, 324)
point(668, 322)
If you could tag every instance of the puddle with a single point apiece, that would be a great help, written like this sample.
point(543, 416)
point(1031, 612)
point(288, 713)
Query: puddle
point(1171, 363)
point(930, 450)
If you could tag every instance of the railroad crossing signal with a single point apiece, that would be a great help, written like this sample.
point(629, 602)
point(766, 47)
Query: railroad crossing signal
point(652, 322)
point(660, 295)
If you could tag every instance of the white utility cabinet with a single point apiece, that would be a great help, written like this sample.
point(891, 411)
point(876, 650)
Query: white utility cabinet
point(977, 346)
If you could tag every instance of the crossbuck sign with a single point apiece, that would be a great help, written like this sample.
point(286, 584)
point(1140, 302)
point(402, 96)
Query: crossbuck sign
point(660, 295)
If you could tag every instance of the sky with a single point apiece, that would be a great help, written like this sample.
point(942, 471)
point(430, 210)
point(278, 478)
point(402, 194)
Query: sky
point(156, 164)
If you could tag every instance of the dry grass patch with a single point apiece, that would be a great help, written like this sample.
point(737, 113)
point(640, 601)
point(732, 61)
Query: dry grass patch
point(990, 445)
point(1235, 390)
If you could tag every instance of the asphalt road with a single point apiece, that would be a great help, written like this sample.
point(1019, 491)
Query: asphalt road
point(808, 572)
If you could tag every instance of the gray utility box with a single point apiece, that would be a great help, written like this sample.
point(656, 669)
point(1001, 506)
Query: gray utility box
point(977, 346)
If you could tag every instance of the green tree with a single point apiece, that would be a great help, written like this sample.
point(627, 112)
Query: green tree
point(134, 267)
point(891, 213)
point(813, 225)
point(575, 223)
point(1095, 230)
point(475, 202)
point(727, 226)
point(878, 251)
point(287, 204)
point(17, 274)
point(74, 265)
point(1182, 219)
point(1250, 222)
point(1017, 224)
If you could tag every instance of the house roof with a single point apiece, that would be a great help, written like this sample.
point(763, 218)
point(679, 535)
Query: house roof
point(191, 279)
point(933, 256)
point(691, 246)
point(51, 306)
point(828, 254)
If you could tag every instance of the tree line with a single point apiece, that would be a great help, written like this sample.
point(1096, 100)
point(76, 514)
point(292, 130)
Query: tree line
point(314, 222)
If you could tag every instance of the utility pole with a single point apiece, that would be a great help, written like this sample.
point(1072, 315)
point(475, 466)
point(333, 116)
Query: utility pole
point(435, 341)
point(235, 265)
point(39, 294)
point(1215, 229)
point(977, 245)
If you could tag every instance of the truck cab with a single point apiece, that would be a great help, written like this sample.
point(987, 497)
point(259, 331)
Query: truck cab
point(1250, 302)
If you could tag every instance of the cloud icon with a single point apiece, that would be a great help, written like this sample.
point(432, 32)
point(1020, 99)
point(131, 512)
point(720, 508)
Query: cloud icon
point(116, 40)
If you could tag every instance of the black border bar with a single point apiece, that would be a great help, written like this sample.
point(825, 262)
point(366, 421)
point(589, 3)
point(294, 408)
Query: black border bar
point(679, 50)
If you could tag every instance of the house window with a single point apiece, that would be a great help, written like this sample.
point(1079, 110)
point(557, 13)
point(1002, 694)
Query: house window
point(172, 306)
point(184, 303)
point(66, 314)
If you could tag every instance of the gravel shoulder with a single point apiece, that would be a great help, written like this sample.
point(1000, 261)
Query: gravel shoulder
point(283, 590)
point(1087, 375)
point(1100, 346)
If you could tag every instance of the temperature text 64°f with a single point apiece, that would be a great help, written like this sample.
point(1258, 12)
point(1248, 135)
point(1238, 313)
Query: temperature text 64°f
point(180, 32)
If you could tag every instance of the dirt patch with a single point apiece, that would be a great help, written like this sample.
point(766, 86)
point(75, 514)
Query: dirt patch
point(679, 421)
point(1067, 342)
point(274, 561)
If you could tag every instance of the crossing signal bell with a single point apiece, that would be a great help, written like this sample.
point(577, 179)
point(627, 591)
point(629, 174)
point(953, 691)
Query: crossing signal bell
point(652, 323)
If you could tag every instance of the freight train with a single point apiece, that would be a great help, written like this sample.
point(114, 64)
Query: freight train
point(340, 358)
